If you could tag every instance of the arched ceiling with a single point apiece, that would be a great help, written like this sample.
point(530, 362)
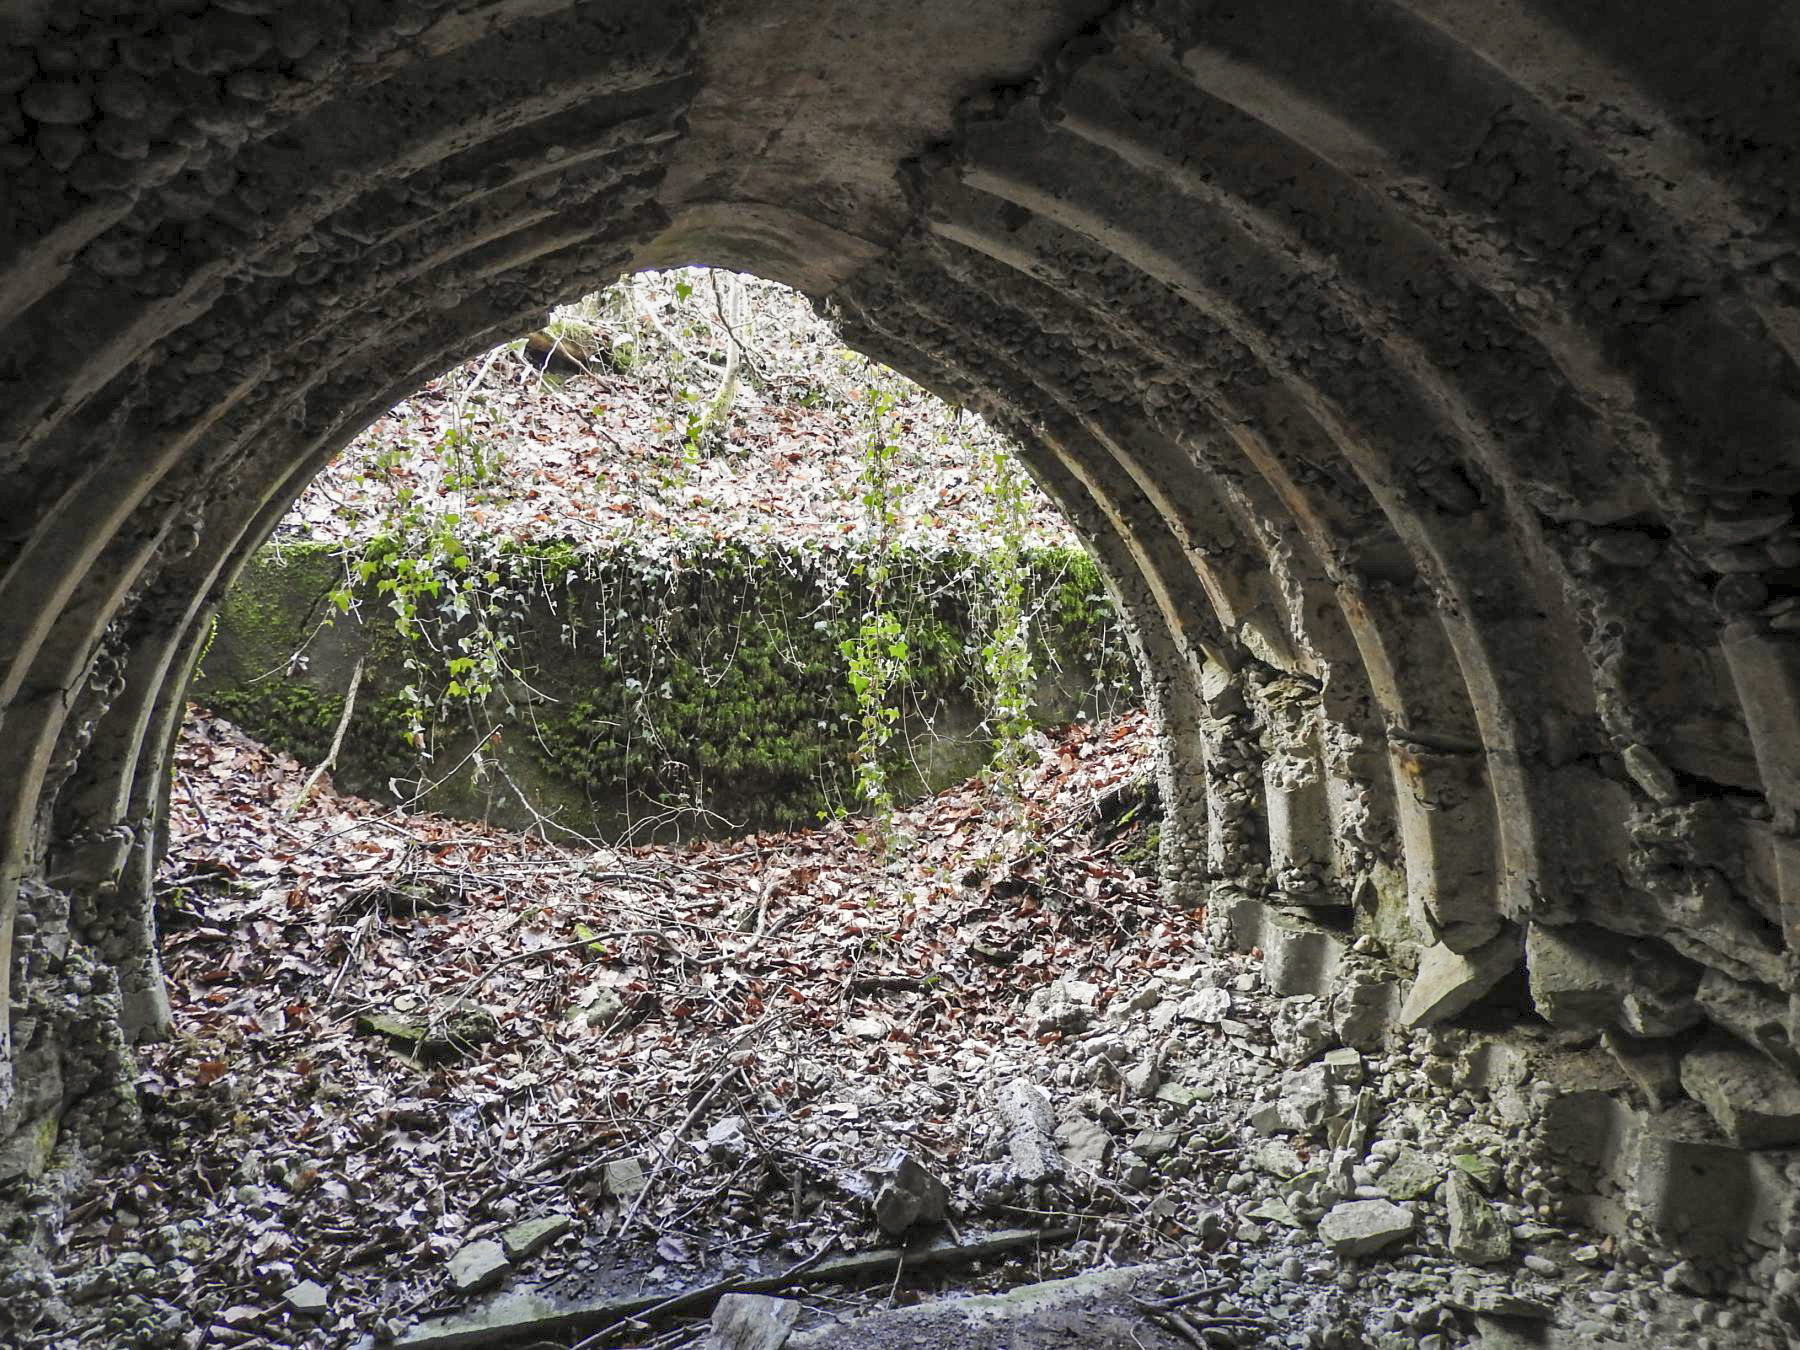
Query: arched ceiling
point(1423, 372)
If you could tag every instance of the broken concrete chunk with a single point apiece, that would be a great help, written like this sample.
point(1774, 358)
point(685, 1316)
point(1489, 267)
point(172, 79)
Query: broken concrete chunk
point(1206, 1006)
point(1484, 1172)
point(1410, 1175)
point(1577, 974)
point(1478, 1235)
point(752, 1322)
point(1754, 1013)
point(1752, 1099)
point(1142, 1080)
point(1084, 1142)
point(532, 1236)
point(478, 1265)
point(1025, 1116)
point(909, 1194)
point(1273, 1211)
point(1343, 1067)
point(308, 1298)
point(1654, 1067)
point(1447, 982)
point(1361, 1227)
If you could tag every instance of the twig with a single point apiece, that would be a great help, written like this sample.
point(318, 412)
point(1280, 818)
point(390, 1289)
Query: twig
point(858, 1266)
point(1173, 1321)
point(337, 743)
point(531, 952)
point(194, 801)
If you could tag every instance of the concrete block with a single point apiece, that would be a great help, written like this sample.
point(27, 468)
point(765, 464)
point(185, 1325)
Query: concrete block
point(1752, 1099)
point(1447, 982)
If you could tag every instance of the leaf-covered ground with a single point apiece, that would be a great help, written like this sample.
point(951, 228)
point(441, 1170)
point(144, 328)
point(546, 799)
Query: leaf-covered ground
point(602, 456)
point(754, 1022)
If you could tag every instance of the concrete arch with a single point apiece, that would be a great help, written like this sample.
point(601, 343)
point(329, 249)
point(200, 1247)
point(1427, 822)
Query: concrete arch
point(1426, 376)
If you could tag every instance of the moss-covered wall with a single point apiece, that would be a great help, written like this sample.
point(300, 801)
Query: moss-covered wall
point(655, 696)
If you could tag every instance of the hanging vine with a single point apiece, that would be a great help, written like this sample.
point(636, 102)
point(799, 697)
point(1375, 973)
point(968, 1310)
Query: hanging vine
point(1006, 656)
point(876, 654)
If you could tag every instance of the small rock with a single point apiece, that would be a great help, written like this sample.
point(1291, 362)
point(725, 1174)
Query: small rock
point(725, 1140)
point(478, 1265)
point(1206, 1006)
point(1064, 1005)
point(1651, 774)
point(1344, 1067)
point(1753, 1100)
point(1154, 1144)
point(910, 1194)
point(1279, 1160)
point(1489, 1302)
point(1142, 1080)
point(57, 102)
point(1134, 1171)
point(1084, 1142)
point(528, 1238)
point(1273, 1211)
point(1306, 1102)
point(1410, 1175)
point(622, 1178)
point(1360, 1227)
point(1174, 1094)
point(309, 1298)
point(1477, 1234)
point(1485, 1172)
point(603, 1013)
point(1267, 1118)
point(1539, 1265)
point(752, 1322)
point(1688, 1278)
point(1654, 1067)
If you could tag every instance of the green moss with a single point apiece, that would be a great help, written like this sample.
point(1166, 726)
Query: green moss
point(711, 677)
point(288, 714)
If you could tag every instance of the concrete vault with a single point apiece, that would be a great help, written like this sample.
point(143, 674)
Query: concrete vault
point(1424, 373)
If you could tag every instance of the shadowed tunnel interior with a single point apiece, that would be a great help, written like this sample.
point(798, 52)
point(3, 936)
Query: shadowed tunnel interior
point(1422, 374)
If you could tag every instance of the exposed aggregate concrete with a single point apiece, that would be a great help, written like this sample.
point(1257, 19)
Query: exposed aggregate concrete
point(1423, 375)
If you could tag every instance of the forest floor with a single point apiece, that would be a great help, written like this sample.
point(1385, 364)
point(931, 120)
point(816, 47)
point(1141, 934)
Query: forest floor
point(428, 1076)
point(605, 456)
point(398, 1035)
